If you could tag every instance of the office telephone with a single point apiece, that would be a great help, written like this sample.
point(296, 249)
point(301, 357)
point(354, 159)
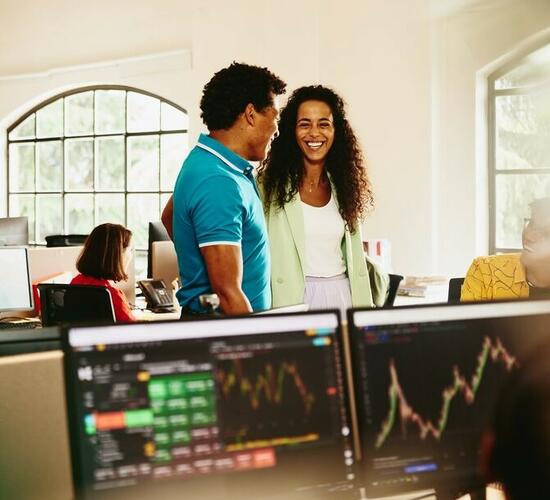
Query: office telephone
point(158, 297)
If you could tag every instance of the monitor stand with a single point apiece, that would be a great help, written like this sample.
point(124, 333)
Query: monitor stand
point(477, 494)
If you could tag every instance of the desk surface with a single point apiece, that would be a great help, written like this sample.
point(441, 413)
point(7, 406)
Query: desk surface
point(147, 315)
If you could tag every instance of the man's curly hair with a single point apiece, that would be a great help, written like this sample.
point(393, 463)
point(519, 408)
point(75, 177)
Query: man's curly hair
point(229, 91)
point(282, 172)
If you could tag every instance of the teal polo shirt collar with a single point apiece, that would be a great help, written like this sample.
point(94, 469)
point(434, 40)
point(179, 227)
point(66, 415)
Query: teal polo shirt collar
point(230, 158)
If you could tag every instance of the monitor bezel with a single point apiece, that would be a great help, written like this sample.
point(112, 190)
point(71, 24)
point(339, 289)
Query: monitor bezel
point(18, 222)
point(452, 486)
point(71, 386)
point(28, 281)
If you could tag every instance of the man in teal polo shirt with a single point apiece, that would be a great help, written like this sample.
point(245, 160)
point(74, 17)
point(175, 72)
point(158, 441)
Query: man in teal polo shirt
point(218, 222)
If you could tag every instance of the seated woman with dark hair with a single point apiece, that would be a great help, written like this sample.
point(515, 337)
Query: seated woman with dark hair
point(104, 259)
point(516, 451)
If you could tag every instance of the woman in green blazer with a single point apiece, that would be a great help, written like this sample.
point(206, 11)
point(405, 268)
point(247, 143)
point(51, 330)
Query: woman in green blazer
point(315, 192)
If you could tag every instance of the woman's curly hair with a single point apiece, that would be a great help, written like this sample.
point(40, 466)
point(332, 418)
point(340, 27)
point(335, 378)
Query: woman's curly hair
point(282, 172)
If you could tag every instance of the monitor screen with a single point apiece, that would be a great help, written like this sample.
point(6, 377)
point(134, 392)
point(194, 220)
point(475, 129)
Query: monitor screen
point(228, 408)
point(15, 285)
point(14, 231)
point(425, 382)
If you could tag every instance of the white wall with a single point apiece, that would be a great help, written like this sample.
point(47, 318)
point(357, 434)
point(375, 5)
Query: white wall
point(406, 69)
point(468, 42)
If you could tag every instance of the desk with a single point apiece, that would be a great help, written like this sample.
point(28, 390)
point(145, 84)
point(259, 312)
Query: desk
point(143, 314)
point(147, 315)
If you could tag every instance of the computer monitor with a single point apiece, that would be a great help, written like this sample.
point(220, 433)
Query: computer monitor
point(222, 408)
point(425, 382)
point(157, 232)
point(14, 231)
point(15, 284)
point(164, 262)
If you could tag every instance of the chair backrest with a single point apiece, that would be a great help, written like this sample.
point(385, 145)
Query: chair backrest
point(395, 279)
point(65, 240)
point(455, 287)
point(72, 304)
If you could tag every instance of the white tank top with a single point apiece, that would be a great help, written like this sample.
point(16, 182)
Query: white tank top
point(323, 231)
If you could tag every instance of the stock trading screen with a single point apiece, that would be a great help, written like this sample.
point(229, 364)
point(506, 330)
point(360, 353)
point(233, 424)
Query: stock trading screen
point(426, 392)
point(266, 406)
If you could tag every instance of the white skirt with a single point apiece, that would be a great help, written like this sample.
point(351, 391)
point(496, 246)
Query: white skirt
point(328, 293)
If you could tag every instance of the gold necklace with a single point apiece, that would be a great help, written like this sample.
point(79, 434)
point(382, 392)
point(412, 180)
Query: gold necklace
point(312, 184)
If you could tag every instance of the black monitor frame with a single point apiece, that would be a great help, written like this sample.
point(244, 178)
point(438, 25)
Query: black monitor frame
point(14, 231)
point(447, 485)
point(83, 492)
point(25, 341)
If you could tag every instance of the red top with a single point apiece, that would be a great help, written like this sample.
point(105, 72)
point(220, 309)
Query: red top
point(120, 304)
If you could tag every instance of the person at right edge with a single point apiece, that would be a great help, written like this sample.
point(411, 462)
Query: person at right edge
point(515, 275)
point(315, 191)
point(218, 224)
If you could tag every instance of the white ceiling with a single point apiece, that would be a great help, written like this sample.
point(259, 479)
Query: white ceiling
point(38, 35)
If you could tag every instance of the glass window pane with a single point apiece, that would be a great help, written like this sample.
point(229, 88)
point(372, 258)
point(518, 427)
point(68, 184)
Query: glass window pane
point(23, 205)
point(49, 120)
point(143, 163)
point(79, 114)
point(172, 153)
point(513, 195)
point(79, 164)
point(109, 155)
point(49, 166)
point(164, 197)
point(49, 215)
point(21, 169)
point(109, 208)
point(142, 208)
point(25, 130)
point(79, 213)
point(143, 113)
point(523, 131)
point(110, 106)
point(172, 118)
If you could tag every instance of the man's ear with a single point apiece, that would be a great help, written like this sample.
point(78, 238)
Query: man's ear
point(250, 114)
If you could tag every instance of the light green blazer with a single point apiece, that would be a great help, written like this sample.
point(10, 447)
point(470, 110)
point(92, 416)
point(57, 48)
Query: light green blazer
point(287, 243)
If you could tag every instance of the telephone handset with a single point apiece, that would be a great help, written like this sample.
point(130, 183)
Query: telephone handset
point(158, 297)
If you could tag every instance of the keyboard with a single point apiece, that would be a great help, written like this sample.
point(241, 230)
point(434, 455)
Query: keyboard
point(9, 325)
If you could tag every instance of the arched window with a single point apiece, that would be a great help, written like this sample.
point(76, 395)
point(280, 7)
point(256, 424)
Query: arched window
point(93, 155)
point(519, 144)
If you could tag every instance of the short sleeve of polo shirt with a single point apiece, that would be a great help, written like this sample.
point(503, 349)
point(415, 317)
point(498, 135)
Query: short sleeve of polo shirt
point(217, 212)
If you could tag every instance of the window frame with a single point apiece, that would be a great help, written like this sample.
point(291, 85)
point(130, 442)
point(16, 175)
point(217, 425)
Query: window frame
point(93, 136)
point(492, 94)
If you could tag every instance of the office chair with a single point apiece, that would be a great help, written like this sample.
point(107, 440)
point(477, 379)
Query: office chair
point(70, 304)
point(65, 240)
point(395, 279)
point(455, 287)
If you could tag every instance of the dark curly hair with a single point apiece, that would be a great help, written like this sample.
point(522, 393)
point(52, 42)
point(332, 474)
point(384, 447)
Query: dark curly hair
point(282, 172)
point(229, 91)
